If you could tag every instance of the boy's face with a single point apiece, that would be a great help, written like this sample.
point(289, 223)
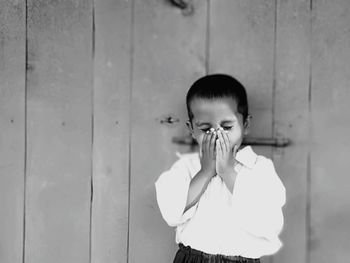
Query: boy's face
point(215, 114)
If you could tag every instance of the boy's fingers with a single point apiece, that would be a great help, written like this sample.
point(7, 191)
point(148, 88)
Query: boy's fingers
point(207, 143)
point(235, 148)
point(219, 149)
point(212, 144)
point(223, 142)
point(204, 143)
point(227, 140)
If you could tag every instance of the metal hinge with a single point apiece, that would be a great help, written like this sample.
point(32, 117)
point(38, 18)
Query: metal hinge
point(185, 5)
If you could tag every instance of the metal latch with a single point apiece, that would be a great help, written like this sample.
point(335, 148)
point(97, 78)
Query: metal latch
point(258, 141)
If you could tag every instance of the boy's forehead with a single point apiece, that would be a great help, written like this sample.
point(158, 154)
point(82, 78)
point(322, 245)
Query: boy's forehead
point(216, 102)
point(223, 109)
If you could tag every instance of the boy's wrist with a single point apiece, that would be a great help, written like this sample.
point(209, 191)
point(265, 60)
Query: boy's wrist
point(233, 170)
point(206, 173)
point(229, 172)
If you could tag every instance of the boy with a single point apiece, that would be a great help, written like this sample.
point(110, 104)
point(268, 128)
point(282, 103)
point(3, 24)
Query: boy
point(225, 201)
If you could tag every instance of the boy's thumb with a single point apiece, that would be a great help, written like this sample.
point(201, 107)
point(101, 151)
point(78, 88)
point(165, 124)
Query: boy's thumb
point(234, 150)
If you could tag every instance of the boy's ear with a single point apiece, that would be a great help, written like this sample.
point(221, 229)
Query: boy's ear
point(246, 125)
point(190, 128)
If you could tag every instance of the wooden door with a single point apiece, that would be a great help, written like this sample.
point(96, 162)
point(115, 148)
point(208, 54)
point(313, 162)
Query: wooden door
point(271, 46)
point(93, 94)
point(12, 134)
point(169, 54)
point(58, 131)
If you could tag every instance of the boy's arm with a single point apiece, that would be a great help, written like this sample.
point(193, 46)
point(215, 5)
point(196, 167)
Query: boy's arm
point(172, 189)
point(177, 191)
point(197, 187)
point(201, 180)
point(229, 179)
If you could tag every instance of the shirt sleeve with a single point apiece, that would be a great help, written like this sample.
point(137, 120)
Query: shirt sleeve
point(171, 190)
point(265, 216)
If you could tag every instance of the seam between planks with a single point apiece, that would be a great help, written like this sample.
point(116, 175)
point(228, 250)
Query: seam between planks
point(25, 129)
point(274, 70)
point(131, 76)
point(92, 125)
point(207, 41)
point(308, 175)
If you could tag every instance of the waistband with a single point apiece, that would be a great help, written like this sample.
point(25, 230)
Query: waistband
point(210, 257)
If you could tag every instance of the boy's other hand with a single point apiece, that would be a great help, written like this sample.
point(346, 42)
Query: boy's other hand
point(208, 153)
point(225, 155)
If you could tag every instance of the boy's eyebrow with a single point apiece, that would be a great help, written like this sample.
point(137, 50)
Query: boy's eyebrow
point(207, 123)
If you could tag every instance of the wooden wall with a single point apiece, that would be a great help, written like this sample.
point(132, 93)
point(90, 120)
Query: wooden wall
point(86, 84)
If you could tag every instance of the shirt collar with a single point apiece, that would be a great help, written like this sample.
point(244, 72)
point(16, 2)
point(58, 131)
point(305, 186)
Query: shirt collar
point(247, 156)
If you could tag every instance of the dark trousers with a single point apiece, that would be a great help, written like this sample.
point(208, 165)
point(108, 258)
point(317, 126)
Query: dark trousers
point(186, 254)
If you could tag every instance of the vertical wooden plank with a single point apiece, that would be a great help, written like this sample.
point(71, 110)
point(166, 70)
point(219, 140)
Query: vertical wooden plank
point(242, 44)
point(330, 198)
point(169, 54)
point(111, 131)
point(12, 119)
point(242, 41)
point(59, 131)
point(292, 121)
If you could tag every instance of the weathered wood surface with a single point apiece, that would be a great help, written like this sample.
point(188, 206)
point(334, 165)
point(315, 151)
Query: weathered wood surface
point(12, 134)
point(330, 214)
point(79, 121)
point(111, 131)
point(169, 54)
point(59, 131)
point(241, 43)
point(291, 120)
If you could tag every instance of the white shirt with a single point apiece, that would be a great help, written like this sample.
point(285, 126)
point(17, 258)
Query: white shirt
point(246, 222)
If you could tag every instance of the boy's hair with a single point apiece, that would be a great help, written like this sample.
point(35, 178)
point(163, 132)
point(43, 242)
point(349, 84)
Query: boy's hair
point(217, 86)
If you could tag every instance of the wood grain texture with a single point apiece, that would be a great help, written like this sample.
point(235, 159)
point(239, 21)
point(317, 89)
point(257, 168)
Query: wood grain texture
point(59, 134)
point(169, 54)
point(242, 44)
point(291, 117)
point(96, 124)
point(330, 202)
point(12, 124)
point(111, 131)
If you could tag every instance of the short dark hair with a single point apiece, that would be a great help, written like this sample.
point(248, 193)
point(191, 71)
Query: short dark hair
point(217, 86)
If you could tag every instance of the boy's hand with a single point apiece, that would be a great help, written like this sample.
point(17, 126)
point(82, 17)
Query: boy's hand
point(208, 153)
point(225, 155)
